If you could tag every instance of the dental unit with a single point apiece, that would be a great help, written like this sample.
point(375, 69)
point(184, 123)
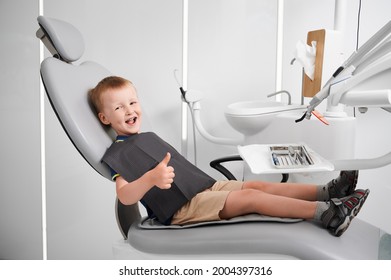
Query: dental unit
point(362, 81)
point(368, 62)
point(248, 237)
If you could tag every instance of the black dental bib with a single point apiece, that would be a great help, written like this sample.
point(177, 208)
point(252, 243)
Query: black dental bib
point(140, 153)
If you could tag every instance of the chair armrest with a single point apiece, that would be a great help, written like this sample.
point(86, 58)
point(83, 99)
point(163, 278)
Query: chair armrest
point(126, 215)
point(216, 164)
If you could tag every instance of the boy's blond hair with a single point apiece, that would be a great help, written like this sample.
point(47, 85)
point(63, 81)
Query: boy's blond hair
point(112, 82)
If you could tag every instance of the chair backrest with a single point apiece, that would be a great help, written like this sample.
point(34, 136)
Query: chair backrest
point(67, 85)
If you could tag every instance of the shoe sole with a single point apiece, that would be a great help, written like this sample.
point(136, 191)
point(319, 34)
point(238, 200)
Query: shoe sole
point(353, 213)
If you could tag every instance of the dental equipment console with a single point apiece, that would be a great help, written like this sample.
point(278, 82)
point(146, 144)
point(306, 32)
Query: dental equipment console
point(67, 84)
point(364, 80)
point(374, 54)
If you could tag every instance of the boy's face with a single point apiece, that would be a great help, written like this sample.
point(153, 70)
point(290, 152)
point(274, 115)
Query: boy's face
point(121, 110)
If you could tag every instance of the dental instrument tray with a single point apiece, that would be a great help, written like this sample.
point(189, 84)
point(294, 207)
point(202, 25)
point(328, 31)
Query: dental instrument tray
point(290, 156)
point(259, 158)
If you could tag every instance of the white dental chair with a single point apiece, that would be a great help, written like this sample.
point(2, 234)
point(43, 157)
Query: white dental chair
point(248, 237)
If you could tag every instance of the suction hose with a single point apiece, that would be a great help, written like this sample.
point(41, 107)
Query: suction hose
point(196, 108)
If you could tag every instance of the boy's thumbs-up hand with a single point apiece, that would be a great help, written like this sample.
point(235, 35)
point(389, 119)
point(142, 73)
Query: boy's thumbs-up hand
point(163, 174)
point(166, 159)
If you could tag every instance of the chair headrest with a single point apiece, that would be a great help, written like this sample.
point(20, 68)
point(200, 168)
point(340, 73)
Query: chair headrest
point(61, 38)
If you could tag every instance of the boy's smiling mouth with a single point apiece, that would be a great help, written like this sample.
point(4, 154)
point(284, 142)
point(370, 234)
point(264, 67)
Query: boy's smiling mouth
point(131, 121)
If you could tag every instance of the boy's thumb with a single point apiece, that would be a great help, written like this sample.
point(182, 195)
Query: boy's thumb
point(166, 159)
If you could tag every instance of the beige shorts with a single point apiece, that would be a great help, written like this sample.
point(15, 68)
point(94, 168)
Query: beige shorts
point(206, 205)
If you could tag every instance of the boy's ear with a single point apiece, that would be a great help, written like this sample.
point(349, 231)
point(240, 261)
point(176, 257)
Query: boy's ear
point(103, 119)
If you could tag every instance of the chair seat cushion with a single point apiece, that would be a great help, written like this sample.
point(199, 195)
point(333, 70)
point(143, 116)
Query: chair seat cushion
point(148, 223)
point(301, 240)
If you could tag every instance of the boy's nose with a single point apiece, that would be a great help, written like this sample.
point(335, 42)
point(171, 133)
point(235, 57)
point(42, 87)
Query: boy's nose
point(129, 110)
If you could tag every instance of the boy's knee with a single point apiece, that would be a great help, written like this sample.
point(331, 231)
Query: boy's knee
point(249, 193)
point(252, 185)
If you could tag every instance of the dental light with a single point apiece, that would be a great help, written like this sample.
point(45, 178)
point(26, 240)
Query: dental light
point(370, 60)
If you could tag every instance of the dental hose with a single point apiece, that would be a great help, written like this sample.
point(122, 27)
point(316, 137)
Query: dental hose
point(194, 133)
point(183, 93)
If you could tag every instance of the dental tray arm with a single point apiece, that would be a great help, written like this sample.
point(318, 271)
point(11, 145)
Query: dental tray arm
point(360, 164)
point(367, 53)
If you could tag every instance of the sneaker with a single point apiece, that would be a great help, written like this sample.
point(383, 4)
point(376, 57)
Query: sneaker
point(341, 212)
point(344, 185)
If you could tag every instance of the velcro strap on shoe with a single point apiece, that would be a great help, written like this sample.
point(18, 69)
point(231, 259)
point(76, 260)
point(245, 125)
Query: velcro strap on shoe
point(336, 201)
point(333, 213)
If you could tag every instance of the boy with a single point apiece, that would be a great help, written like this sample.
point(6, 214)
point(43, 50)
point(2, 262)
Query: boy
point(174, 191)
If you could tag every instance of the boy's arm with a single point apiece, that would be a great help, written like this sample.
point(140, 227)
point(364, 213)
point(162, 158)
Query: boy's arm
point(161, 176)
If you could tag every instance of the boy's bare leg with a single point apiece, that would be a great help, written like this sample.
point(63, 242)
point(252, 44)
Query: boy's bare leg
point(342, 186)
point(293, 190)
point(334, 215)
point(247, 201)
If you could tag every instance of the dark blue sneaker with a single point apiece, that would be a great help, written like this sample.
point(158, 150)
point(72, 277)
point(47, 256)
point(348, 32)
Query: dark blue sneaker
point(342, 211)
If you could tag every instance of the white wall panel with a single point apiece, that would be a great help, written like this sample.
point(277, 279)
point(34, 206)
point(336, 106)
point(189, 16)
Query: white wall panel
point(20, 173)
point(232, 57)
